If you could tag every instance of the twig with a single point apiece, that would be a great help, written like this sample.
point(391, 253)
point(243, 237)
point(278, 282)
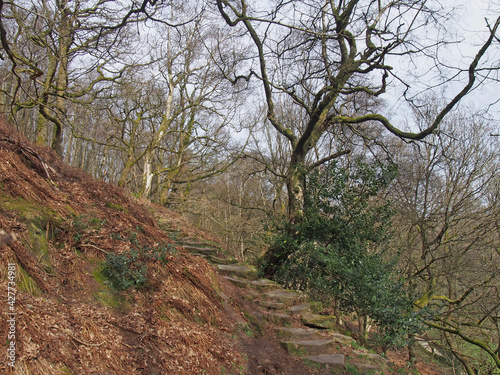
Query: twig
point(95, 247)
point(26, 149)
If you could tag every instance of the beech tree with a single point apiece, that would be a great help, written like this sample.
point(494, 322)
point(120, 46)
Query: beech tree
point(330, 61)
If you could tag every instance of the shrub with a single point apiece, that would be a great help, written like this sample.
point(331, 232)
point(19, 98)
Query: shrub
point(336, 250)
point(125, 271)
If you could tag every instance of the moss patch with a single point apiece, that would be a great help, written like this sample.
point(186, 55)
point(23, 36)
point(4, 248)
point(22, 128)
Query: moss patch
point(116, 206)
point(106, 295)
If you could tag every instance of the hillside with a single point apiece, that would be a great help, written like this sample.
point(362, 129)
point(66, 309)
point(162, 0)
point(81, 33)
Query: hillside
point(70, 317)
point(102, 283)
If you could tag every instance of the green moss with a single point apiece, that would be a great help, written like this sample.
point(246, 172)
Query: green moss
point(66, 370)
point(106, 295)
point(42, 224)
point(255, 324)
point(163, 313)
point(116, 206)
point(312, 364)
point(26, 283)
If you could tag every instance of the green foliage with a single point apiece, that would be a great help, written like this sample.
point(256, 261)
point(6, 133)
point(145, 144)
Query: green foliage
point(335, 250)
point(129, 269)
point(81, 224)
point(125, 270)
point(86, 222)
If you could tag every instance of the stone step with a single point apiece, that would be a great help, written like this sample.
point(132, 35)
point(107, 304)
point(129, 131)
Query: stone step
point(196, 243)
point(271, 305)
point(364, 368)
point(319, 321)
point(200, 250)
point(342, 339)
point(176, 232)
point(217, 260)
point(279, 318)
point(329, 361)
point(252, 295)
point(285, 296)
point(264, 285)
point(238, 281)
point(261, 285)
point(298, 334)
point(306, 308)
point(303, 348)
point(241, 270)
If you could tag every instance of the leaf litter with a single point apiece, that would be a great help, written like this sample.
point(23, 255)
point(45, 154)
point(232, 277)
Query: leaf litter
point(69, 319)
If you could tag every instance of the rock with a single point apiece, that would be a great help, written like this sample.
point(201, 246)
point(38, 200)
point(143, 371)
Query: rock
point(319, 321)
point(272, 305)
point(200, 250)
point(304, 348)
point(279, 318)
point(252, 295)
point(334, 361)
point(284, 296)
point(300, 309)
point(238, 281)
point(298, 334)
point(264, 285)
point(368, 369)
point(337, 337)
point(306, 308)
point(242, 270)
point(217, 260)
point(196, 243)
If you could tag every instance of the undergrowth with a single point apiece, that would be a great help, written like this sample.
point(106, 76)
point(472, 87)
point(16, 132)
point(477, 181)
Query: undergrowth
point(129, 269)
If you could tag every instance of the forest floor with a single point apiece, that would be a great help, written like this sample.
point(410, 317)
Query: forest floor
point(100, 283)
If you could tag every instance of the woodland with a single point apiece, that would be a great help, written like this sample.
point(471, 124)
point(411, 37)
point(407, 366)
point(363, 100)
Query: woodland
point(349, 148)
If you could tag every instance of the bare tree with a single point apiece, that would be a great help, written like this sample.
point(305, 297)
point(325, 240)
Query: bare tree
point(316, 56)
point(447, 227)
point(52, 45)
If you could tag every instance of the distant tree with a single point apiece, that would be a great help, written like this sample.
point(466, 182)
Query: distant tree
point(447, 202)
point(51, 44)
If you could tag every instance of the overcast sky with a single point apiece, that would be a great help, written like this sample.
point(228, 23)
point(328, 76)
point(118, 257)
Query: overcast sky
point(467, 25)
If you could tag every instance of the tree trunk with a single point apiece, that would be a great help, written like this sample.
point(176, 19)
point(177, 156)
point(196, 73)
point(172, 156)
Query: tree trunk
point(147, 176)
point(295, 183)
point(412, 357)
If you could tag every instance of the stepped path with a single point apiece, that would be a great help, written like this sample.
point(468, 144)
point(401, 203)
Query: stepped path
point(297, 323)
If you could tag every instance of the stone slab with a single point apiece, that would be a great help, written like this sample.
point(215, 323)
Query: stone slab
point(200, 250)
point(319, 321)
point(196, 243)
point(342, 338)
point(242, 270)
point(238, 281)
point(334, 361)
point(272, 305)
point(372, 356)
point(302, 348)
point(284, 296)
point(217, 260)
point(264, 285)
point(299, 334)
point(364, 368)
point(279, 318)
